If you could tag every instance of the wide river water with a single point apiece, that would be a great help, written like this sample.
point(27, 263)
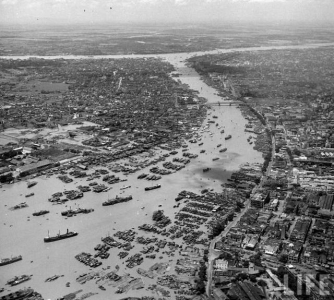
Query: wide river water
point(22, 234)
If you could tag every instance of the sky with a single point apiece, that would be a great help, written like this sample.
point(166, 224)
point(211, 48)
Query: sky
point(183, 11)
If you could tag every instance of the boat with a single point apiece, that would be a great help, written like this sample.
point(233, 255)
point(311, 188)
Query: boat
point(19, 279)
point(216, 158)
point(20, 294)
point(7, 261)
point(223, 150)
point(200, 144)
point(206, 170)
point(228, 137)
point(219, 145)
point(153, 187)
point(59, 236)
point(70, 212)
point(116, 200)
point(31, 183)
point(29, 195)
point(202, 151)
point(20, 205)
point(222, 131)
point(41, 212)
point(125, 187)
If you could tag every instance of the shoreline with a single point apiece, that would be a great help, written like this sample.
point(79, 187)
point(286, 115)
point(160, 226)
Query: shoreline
point(165, 55)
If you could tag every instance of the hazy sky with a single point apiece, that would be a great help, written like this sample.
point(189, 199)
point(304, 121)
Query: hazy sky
point(96, 11)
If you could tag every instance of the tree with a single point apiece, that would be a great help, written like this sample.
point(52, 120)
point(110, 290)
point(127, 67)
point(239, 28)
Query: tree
point(283, 258)
point(262, 283)
point(217, 228)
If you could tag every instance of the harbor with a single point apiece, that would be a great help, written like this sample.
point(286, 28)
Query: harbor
point(201, 152)
point(19, 229)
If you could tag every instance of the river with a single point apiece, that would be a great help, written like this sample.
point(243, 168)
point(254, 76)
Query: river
point(22, 234)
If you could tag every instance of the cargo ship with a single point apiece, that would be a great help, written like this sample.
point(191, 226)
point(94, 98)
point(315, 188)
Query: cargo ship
point(116, 200)
point(153, 187)
point(58, 237)
point(228, 137)
point(6, 261)
point(223, 150)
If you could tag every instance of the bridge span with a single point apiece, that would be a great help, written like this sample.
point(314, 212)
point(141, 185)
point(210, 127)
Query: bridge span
point(226, 103)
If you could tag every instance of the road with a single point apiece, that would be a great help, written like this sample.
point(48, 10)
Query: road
point(213, 254)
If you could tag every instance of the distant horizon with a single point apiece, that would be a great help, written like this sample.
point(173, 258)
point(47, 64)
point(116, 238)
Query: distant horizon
point(67, 12)
point(254, 23)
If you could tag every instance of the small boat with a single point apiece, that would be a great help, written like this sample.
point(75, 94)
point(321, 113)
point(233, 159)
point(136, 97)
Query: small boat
point(216, 158)
point(222, 131)
point(223, 150)
point(29, 195)
point(228, 137)
point(18, 206)
point(125, 187)
point(206, 170)
point(202, 151)
point(219, 145)
point(31, 183)
point(153, 187)
point(40, 213)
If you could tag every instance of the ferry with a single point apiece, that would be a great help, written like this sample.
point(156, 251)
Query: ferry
point(58, 237)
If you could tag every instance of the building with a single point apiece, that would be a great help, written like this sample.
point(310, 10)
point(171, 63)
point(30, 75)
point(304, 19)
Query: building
point(218, 294)
point(35, 167)
point(221, 264)
point(258, 201)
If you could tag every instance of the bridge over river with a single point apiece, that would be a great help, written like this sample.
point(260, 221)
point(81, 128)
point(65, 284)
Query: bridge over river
point(226, 103)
